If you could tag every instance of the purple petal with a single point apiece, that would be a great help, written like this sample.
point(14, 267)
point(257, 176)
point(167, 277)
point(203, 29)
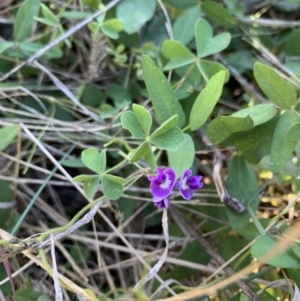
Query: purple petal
point(188, 183)
point(176, 186)
point(186, 193)
point(167, 202)
point(161, 203)
point(150, 178)
point(194, 182)
point(183, 180)
point(187, 173)
point(159, 191)
point(160, 174)
point(163, 184)
point(170, 173)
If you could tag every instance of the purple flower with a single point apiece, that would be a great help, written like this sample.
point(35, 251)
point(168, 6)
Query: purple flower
point(189, 183)
point(161, 203)
point(162, 185)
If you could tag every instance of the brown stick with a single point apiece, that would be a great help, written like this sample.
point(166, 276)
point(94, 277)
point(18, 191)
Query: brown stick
point(223, 193)
point(190, 230)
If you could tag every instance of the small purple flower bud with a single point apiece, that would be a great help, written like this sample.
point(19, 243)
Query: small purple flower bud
point(161, 203)
point(162, 185)
point(189, 183)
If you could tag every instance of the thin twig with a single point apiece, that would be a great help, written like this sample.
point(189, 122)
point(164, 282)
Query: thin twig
point(50, 157)
point(83, 221)
point(71, 285)
point(58, 291)
point(275, 23)
point(223, 193)
point(62, 87)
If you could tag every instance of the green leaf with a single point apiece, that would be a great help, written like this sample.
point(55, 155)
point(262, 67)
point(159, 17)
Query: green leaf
point(208, 69)
point(149, 157)
point(241, 60)
point(27, 294)
point(43, 298)
point(140, 152)
point(206, 43)
point(241, 184)
point(294, 132)
point(178, 55)
point(130, 122)
point(91, 95)
point(192, 252)
point(184, 23)
point(182, 4)
point(218, 14)
point(206, 100)
point(183, 157)
point(45, 21)
point(90, 187)
point(127, 208)
point(110, 33)
point(29, 48)
point(250, 231)
point(7, 135)
point(161, 93)
point(25, 19)
point(112, 187)
point(295, 275)
point(234, 244)
point(289, 259)
point(120, 96)
point(84, 178)
point(144, 118)
point(113, 24)
point(260, 114)
point(191, 76)
point(253, 145)
point(76, 162)
point(282, 146)
point(135, 13)
point(236, 8)
point(49, 16)
point(94, 160)
point(166, 126)
point(223, 127)
point(6, 45)
point(115, 179)
point(90, 184)
point(169, 140)
point(274, 86)
point(94, 28)
point(112, 27)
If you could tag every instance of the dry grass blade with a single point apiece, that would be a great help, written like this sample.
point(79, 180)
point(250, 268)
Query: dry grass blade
point(67, 282)
point(5, 256)
point(84, 220)
point(153, 271)
point(62, 87)
point(57, 288)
